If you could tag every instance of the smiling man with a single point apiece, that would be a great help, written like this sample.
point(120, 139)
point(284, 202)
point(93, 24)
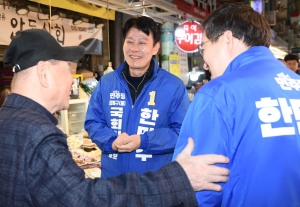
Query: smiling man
point(135, 113)
point(36, 166)
point(249, 112)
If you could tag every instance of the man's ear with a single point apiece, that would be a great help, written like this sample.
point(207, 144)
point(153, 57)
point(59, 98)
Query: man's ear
point(43, 73)
point(228, 37)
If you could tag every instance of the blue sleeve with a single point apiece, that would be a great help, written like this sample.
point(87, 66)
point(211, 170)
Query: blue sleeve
point(163, 140)
point(205, 124)
point(96, 125)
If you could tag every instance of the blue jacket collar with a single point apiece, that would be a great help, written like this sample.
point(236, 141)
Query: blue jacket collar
point(250, 56)
point(119, 70)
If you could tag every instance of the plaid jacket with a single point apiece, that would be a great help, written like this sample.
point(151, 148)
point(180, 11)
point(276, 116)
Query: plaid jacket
point(37, 169)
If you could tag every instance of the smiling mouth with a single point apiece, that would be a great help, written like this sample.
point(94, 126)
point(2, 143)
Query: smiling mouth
point(134, 57)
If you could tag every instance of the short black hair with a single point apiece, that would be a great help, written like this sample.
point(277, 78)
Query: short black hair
point(244, 23)
point(291, 57)
point(144, 24)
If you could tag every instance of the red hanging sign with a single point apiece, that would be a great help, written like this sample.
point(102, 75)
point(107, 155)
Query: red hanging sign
point(192, 39)
point(197, 8)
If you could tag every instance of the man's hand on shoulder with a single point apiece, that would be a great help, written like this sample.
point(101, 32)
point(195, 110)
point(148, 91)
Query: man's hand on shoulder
point(200, 169)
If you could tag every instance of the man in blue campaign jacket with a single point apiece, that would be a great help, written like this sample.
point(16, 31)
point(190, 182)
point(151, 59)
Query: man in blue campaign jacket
point(136, 112)
point(249, 111)
point(36, 166)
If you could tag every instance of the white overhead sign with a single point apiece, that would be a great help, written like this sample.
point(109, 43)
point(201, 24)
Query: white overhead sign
point(62, 30)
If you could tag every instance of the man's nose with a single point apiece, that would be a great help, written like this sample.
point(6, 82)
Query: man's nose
point(135, 47)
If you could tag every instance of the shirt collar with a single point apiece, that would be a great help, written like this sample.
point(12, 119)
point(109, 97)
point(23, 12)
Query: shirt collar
point(149, 71)
point(17, 100)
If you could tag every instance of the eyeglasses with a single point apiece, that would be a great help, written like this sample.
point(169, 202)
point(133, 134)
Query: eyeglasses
point(200, 47)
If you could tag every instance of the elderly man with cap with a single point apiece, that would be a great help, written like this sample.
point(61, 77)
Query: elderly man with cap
point(36, 167)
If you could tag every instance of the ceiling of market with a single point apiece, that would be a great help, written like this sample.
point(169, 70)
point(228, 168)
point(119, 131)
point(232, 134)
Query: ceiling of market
point(286, 26)
point(160, 10)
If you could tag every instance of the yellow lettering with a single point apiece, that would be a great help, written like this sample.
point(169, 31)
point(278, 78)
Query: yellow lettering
point(152, 98)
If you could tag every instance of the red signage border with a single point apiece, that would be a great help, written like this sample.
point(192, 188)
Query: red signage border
point(200, 9)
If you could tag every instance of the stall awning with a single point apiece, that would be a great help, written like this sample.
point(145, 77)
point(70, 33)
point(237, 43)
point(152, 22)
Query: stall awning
point(81, 7)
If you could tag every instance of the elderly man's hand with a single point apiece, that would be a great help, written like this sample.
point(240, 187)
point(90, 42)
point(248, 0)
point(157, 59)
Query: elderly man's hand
point(201, 170)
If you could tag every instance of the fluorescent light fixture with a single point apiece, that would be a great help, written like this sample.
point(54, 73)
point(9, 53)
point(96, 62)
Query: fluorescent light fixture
point(99, 25)
point(144, 10)
point(145, 14)
point(54, 14)
point(77, 20)
point(22, 8)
